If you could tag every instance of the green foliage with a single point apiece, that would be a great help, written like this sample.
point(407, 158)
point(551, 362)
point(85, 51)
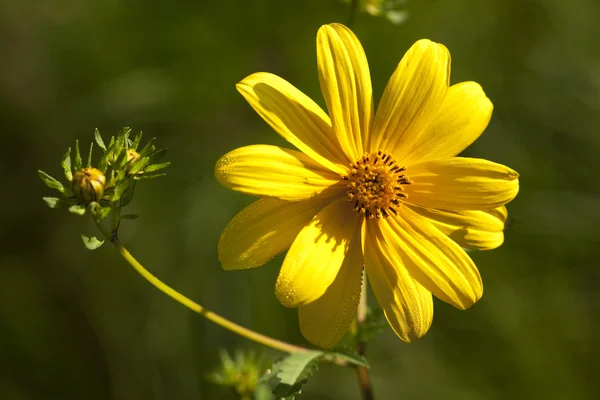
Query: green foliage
point(289, 374)
point(53, 202)
point(98, 139)
point(91, 243)
point(51, 182)
point(241, 374)
point(109, 185)
point(66, 164)
point(346, 354)
point(78, 164)
point(77, 209)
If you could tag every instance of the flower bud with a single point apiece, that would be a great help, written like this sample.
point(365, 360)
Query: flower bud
point(132, 156)
point(88, 185)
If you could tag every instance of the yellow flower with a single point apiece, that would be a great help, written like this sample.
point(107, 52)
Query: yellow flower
point(382, 190)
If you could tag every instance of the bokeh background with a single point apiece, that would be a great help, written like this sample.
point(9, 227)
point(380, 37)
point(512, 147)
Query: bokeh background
point(76, 324)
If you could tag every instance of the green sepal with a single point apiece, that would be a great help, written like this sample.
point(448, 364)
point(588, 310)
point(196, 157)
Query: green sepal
point(66, 164)
point(138, 177)
point(51, 182)
point(156, 167)
point(136, 141)
point(148, 148)
point(77, 209)
point(121, 190)
point(91, 243)
point(77, 164)
point(89, 160)
point(107, 156)
point(53, 202)
point(138, 166)
point(99, 140)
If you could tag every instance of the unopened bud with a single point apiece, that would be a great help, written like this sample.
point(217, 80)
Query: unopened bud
point(132, 156)
point(88, 185)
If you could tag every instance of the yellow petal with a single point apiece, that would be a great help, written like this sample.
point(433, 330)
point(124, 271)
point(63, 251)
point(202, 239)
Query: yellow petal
point(313, 261)
point(326, 320)
point(295, 117)
point(346, 86)
point(432, 258)
point(264, 229)
point(411, 98)
point(407, 305)
point(461, 184)
point(473, 229)
point(272, 171)
point(463, 116)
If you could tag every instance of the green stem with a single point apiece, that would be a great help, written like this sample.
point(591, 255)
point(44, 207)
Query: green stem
point(192, 305)
point(364, 380)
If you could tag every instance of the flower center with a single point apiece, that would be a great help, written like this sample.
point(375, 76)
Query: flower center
point(375, 184)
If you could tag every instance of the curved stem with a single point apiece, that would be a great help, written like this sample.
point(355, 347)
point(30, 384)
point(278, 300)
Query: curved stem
point(364, 381)
point(192, 305)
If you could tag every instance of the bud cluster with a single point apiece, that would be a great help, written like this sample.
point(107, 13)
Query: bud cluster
point(107, 185)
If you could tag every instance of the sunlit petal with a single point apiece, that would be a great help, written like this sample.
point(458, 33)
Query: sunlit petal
point(313, 261)
point(407, 305)
point(264, 229)
point(326, 320)
point(432, 258)
point(473, 229)
point(346, 86)
point(461, 184)
point(411, 98)
point(295, 117)
point(462, 117)
point(272, 171)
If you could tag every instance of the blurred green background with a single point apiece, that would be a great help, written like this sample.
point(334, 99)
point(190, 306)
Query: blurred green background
point(76, 324)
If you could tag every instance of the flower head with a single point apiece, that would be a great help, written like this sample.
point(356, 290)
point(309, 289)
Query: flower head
point(384, 190)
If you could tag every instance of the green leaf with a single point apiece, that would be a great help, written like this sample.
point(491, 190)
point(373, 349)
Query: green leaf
point(91, 243)
point(52, 202)
point(77, 209)
point(89, 163)
point(129, 216)
point(66, 164)
point(51, 182)
point(127, 196)
point(77, 164)
point(99, 140)
point(156, 167)
point(293, 371)
point(347, 354)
